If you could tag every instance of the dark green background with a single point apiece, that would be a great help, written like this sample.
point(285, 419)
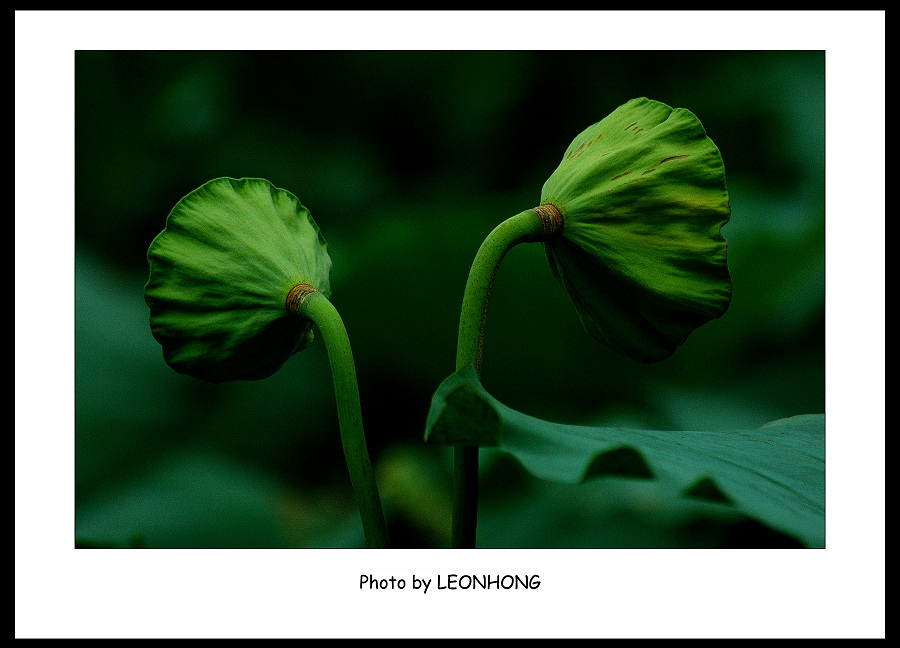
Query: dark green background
point(407, 160)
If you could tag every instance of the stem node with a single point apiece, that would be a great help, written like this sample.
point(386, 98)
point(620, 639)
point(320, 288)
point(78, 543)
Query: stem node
point(297, 295)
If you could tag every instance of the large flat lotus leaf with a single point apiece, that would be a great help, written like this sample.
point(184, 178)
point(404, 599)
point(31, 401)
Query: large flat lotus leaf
point(774, 474)
point(643, 198)
point(220, 272)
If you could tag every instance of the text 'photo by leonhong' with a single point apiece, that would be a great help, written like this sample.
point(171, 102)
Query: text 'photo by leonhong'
point(631, 225)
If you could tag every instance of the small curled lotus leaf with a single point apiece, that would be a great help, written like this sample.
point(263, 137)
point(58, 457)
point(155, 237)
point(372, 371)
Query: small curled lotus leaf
point(643, 198)
point(220, 272)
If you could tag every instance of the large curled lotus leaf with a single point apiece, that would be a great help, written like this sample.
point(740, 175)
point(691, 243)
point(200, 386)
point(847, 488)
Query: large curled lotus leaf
point(220, 272)
point(643, 198)
point(774, 474)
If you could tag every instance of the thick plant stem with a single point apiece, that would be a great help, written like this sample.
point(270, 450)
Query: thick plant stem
point(315, 306)
point(528, 226)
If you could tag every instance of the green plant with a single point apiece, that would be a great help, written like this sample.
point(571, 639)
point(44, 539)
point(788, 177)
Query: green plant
point(631, 225)
point(237, 279)
point(630, 221)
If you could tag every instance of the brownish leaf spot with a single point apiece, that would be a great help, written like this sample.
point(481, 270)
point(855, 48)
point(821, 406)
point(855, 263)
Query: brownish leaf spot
point(576, 152)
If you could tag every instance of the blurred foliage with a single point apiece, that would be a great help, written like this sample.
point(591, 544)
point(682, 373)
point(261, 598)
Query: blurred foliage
point(407, 160)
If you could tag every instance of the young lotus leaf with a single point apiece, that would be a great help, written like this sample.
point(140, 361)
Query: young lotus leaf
point(643, 199)
point(220, 272)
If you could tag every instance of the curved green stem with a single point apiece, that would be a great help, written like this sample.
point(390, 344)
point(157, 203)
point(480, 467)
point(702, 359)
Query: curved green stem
point(528, 226)
point(316, 307)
